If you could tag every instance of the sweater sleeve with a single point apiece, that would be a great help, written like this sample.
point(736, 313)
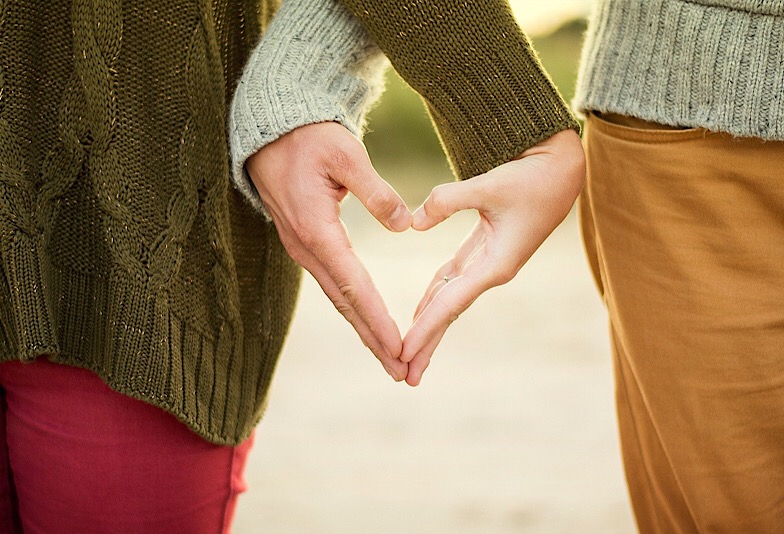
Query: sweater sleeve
point(315, 63)
point(481, 80)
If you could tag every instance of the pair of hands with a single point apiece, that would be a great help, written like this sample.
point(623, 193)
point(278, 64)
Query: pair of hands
point(303, 176)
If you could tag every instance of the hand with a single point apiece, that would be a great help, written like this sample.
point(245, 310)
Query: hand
point(302, 177)
point(519, 204)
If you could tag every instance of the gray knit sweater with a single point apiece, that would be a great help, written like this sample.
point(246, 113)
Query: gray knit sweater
point(717, 64)
point(315, 63)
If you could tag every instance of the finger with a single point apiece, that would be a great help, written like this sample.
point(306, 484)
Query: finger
point(409, 356)
point(471, 246)
point(395, 368)
point(327, 254)
point(445, 200)
point(420, 362)
point(353, 282)
point(355, 172)
point(451, 301)
point(444, 273)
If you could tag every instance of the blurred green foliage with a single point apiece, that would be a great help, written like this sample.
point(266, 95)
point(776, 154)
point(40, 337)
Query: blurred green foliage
point(401, 141)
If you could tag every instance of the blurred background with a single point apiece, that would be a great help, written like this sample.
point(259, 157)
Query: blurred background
point(512, 428)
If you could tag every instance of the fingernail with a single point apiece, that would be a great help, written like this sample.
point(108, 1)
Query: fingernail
point(418, 217)
point(401, 219)
point(391, 373)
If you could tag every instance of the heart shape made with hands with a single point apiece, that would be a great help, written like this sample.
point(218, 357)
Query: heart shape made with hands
point(401, 266)
point(303, 177)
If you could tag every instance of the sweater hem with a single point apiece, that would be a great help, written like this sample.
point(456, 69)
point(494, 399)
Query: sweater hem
point(125, 331)
point(185, 418)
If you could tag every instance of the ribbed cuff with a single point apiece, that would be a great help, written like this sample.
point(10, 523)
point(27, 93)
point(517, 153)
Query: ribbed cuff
point(314, 64)
point(684, 63)
point(484, 87)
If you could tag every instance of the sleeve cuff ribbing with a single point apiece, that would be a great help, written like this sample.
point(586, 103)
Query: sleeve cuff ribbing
point(481, 80)
point(314, 64)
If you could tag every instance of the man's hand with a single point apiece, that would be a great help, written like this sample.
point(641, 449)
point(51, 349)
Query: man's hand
point(519, 204)
point(302, 177)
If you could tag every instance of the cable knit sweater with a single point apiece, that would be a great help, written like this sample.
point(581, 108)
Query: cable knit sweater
point(123, 247)
point(717, 64)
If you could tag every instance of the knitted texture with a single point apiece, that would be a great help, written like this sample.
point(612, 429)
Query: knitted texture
point(123, 248)
point(481, 81)
point(716, 64)
point(315, 63)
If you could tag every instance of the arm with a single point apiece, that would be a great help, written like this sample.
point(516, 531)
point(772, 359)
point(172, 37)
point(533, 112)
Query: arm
point(501, 121)
point(485, 113)
point(314, 64)
point(303, 94)
point(485, 90)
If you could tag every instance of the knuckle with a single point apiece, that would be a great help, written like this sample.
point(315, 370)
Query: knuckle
point(345, 310)
point(449, 314)
point(307, 239)
point(438, 199)
point(293, 246)
point(382, 202)
point(303, 227)
point(310, 239)
point(349, 292)
point(300, 229)
point(295, 252)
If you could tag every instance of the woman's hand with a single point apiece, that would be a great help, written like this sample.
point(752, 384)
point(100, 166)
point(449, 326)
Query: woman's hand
point(302, 177)
point(520, 203)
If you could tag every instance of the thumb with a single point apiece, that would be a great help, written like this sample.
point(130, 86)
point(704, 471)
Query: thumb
point(356, 173)
point(445, 200)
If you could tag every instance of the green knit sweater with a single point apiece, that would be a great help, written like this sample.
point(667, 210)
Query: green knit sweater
point(123, 247)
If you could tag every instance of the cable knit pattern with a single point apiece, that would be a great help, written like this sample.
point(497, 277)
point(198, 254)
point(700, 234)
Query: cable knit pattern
point(316, 63)
point(716, 64)
point(96, 47)
point(18, 190)
point(27, 322)
point(123, 247)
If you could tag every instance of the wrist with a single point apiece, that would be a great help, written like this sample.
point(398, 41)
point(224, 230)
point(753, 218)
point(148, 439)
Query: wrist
point(314, 64)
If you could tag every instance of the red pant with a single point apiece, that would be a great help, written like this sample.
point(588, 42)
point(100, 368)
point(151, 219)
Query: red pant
point(78, 457)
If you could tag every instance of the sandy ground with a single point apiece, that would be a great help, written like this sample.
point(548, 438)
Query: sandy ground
point(512, 429)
